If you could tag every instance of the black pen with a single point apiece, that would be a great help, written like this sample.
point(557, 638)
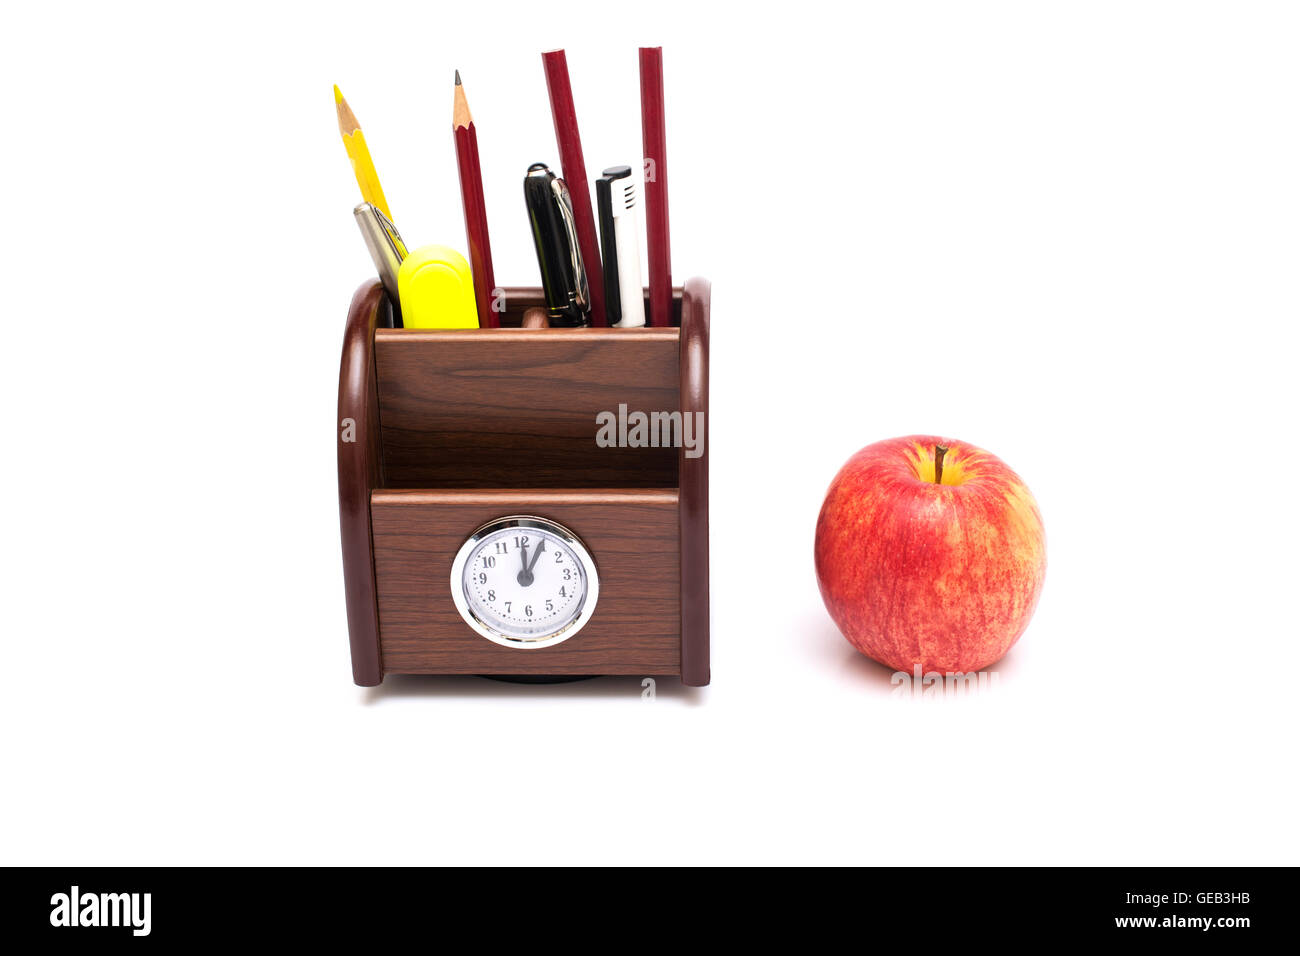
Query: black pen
point(550, 215)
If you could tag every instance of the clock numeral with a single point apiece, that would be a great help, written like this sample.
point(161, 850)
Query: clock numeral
point(482, 578)
point(550, 605)
point(508, 603)
point(562, 593)
point(521, 541)
point(559, 557)
point(489, 562)
point(568, 575)
point(502, 548)
point(492, 595)
point(528, 609)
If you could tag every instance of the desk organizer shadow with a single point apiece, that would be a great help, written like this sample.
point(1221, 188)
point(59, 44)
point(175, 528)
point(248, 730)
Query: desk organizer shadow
point(451, 429)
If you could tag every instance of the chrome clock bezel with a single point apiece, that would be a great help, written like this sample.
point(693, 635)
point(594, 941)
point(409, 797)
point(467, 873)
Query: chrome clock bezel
point(571, 541)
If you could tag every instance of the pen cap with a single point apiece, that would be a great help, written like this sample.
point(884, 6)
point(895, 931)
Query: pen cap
point(620, 247)
point(621, 185)
point(437, 290)
point(550, 217)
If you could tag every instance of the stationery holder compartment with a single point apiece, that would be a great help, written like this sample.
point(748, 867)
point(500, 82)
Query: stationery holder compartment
point(441, 431)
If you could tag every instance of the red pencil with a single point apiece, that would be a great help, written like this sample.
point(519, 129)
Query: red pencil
point(575, 175)
point(655, 143)
point(476, 227)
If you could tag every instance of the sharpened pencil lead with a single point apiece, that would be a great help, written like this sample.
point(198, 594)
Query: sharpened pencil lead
point(362, 165)
point(476, 227)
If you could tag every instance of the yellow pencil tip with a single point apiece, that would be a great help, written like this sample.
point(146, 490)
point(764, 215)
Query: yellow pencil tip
point(338, 95)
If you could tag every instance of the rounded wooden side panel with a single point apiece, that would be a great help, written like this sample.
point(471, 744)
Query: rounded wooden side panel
point(693, 482)
point(360, 471)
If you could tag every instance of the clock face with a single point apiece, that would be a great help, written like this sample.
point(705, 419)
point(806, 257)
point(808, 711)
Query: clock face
point(524, 582)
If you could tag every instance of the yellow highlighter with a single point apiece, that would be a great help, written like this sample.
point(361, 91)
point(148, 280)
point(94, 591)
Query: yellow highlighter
point(436, 290)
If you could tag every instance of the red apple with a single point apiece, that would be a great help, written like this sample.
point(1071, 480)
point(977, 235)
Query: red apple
point(930, 554)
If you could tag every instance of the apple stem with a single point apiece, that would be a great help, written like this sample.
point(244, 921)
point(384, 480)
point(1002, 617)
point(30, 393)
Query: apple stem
point(939, 452)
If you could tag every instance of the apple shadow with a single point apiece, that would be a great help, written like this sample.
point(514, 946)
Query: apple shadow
point(831, 648)
point(397, 686)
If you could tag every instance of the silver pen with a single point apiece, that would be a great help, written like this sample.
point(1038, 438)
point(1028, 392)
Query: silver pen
point(385, 244)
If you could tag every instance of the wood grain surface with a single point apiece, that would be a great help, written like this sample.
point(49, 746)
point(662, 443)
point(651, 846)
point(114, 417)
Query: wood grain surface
point(360, 470)
point(505, 408)
point(694, 487)
point(632, 535)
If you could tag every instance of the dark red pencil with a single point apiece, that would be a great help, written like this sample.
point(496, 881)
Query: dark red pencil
point(575, 175)
point(654, 141)
point(476, 227)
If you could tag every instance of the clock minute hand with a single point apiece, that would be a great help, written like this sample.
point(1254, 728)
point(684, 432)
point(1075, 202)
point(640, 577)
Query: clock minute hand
point(525, 576)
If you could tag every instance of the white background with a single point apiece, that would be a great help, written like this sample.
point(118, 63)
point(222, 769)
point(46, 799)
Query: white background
point(1065, 232)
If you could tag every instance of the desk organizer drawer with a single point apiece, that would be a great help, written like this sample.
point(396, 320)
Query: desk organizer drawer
point(442, 432)
point(635, 628)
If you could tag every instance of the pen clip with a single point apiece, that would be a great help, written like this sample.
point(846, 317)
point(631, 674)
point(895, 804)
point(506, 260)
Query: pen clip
point(565, 202)
point(390, 232)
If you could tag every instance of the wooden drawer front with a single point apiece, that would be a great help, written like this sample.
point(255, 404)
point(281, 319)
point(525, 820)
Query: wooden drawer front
point(632, 535)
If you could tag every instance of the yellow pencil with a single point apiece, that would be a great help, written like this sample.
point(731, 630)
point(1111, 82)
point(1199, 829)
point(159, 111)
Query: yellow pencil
point(354, 141)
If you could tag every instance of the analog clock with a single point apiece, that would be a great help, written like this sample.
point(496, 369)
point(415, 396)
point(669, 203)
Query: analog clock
point(524, 582)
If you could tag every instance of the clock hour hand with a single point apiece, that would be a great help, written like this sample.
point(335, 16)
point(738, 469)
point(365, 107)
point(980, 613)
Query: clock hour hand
point(525, 576)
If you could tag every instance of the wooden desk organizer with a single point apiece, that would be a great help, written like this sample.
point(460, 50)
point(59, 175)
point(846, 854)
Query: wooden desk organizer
point(450, 429)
